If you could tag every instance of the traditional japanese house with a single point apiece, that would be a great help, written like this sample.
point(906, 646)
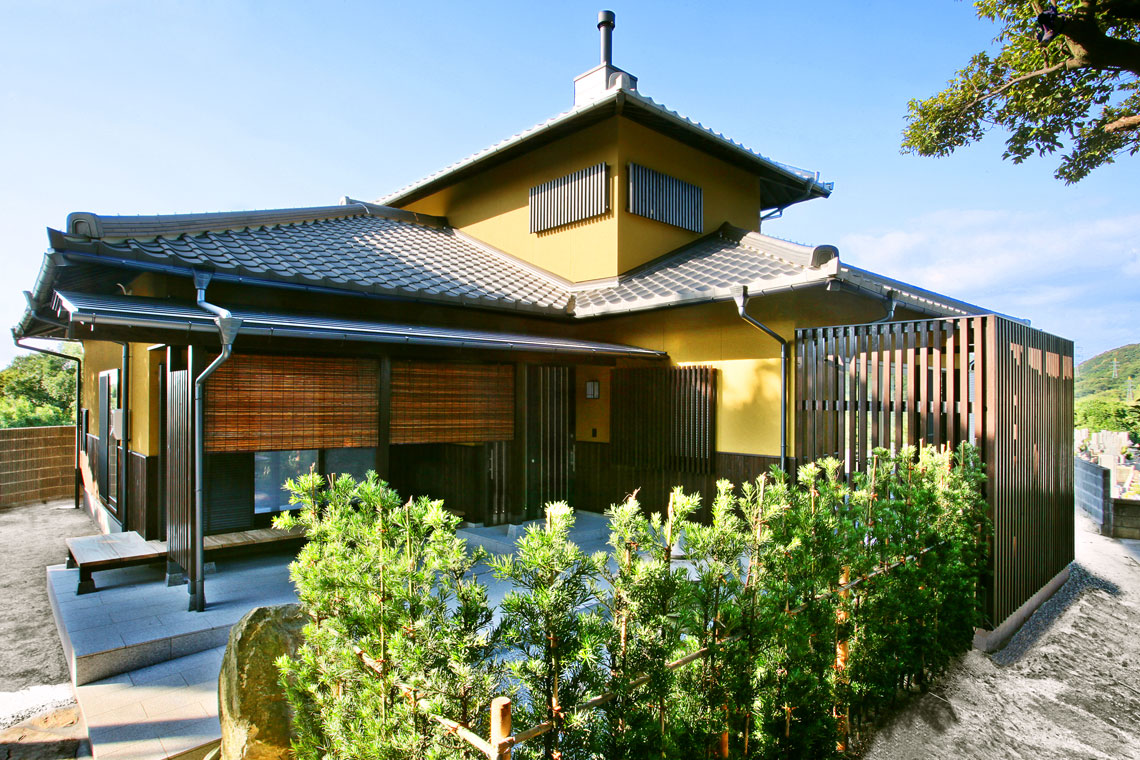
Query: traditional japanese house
point(585, 308)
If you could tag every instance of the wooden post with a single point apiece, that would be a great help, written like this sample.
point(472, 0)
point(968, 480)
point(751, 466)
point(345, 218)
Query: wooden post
point(501, 726)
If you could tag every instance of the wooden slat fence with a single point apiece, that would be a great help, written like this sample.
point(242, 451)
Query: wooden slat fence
point(988, 380)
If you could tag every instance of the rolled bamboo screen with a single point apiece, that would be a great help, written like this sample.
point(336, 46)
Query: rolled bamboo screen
point(435, 402)
point(274, 403)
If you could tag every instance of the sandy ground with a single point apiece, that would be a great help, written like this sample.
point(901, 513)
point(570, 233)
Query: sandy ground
point(1067, 685)
point(55, 735)
point(32, 667)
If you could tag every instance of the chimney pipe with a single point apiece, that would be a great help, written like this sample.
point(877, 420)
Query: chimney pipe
point(606, 24)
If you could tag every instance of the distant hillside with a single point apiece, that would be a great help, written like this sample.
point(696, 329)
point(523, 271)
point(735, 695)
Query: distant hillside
point(1094, 376)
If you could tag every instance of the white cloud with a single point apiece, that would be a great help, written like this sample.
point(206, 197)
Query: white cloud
point(1077, 277)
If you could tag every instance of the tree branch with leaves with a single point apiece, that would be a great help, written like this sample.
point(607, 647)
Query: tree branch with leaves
point(1063, 79)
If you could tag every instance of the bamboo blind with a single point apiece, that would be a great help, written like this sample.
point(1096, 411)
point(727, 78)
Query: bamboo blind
point(276, 403)
point(435, 402)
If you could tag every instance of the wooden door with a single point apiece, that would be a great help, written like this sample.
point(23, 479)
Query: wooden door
point(550, 437)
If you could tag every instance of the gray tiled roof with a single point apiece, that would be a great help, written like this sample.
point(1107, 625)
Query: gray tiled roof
point(706, 270)
point(358, 252)
point(376, 250)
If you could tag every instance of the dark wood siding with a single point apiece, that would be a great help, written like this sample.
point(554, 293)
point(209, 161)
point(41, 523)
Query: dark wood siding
point(281, 403)
point(988, 380)
point(600, 483)
point(452, 472)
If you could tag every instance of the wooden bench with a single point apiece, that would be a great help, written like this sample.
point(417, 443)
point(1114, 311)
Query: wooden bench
point(127, 549)
point(109, 551)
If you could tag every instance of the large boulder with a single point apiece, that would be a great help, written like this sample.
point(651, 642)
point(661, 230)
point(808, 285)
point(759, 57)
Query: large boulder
point(254, 713)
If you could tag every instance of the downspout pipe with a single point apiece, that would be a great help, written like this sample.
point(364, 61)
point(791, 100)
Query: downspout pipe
point(78, 403)
point(228, 327)
point(891, 304)
point(741, 299)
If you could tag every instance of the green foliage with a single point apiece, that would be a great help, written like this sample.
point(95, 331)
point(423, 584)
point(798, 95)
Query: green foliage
point(554, 648)
point(38, 389)
point(1094, 376)
point(1077, 93)
point(1108, 414)
point(393, 579)
point(803, 609)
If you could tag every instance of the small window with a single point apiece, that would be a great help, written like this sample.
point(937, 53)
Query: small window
point(270, 471)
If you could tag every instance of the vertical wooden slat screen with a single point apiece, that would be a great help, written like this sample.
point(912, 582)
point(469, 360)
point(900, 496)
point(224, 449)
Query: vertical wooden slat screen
point(180, 535)
point(279, 403)
point(664, 418)
point(436, 402)
point(988, 380)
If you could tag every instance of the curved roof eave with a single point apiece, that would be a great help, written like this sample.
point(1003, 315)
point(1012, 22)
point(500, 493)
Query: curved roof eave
point(801, 184)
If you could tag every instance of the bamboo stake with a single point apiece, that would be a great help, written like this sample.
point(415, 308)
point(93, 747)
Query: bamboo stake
point(501, 728)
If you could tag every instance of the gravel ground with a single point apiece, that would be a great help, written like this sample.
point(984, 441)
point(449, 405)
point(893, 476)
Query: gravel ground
point(33, 672)
point(1066, 686)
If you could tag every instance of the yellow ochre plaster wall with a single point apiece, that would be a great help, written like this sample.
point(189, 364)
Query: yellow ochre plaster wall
point(100, 356)
point(493, 206)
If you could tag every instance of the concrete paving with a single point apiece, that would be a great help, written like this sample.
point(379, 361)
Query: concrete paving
point(136, 620)
point(161, 711)
point(1132, 546)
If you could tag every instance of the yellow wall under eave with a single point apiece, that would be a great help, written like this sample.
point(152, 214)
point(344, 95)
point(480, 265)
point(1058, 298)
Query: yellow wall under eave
point(728, 194)
point(494, 207)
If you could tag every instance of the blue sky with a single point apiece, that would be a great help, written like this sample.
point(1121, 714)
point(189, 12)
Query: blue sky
point(176, 107)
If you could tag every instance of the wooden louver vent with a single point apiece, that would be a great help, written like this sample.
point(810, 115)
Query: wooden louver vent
point(275, 403)
point(434, 402)
point(664, 418)
point(665, 199)
point(577, 196)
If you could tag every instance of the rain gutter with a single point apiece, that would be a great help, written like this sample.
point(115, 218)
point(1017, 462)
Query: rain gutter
point(741, 298)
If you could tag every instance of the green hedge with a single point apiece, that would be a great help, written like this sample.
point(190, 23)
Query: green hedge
point(818, 602)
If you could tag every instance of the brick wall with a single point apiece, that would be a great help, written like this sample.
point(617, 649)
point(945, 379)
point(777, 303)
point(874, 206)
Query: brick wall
point(36, 464)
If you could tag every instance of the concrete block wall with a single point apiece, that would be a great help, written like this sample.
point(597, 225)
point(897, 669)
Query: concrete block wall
point(36, 464)
point(1126, 518)
point(1092, 485)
